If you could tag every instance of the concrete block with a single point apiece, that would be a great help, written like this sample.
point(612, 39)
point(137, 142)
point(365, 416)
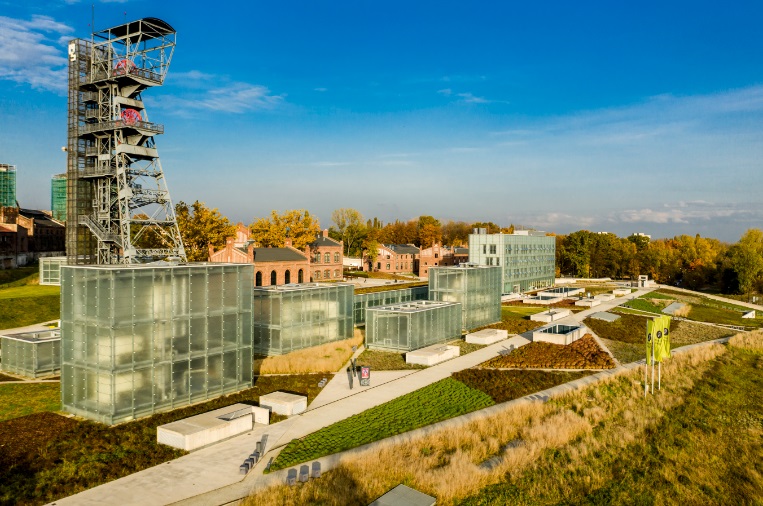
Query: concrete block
point(619, 292)
point(261, 415)
point(750, 314)
point(542, 300)
point(207, 428)
point(560, 334)
point(432, 355)
point(587, 302)
point(604, 297)
point(283, 403)
point(487, 336)
point(551, 315)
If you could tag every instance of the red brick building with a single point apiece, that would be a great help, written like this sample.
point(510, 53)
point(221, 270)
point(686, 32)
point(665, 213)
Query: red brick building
point(28, 234)
point(272, 266)
point(394, 259)
point(326, 258)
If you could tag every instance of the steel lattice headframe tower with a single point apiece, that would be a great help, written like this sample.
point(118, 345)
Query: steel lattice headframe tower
point(118, 206)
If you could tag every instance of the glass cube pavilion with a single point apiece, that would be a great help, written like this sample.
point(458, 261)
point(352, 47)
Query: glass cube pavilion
point(528, 258)
point(296, 316)
point(412, 325)
point(477, 288)
point(365, 300)
point(142, 339)
point(50, 270)
point(32, 354)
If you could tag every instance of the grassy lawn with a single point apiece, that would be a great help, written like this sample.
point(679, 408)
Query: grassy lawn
point(584, 353)
point(324, 358)
point(515, 319)
point(23, 302)
point(702, 450)
point(708, 310)
point(385, 361)
point(466, 347)
point(506, 385)
point(520, 312)
point(29, 291)
point(439, 401)
point(20, 399)
point(19, 277)
point(696, 441)
point(643, 305)
point(43, 459)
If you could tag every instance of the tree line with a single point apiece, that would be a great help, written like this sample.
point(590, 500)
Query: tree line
point(691, 262)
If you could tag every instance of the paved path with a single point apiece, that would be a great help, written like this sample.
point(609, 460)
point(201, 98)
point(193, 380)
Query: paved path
point(715, 297)
point(216, 466)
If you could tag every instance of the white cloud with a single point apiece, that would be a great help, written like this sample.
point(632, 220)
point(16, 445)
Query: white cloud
point(469, 98)
point(195, 90)
point(33, 52)
point(320, 89)
point(445, 91)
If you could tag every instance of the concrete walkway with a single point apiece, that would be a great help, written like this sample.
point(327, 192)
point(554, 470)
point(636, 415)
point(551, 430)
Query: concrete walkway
point(216, 466)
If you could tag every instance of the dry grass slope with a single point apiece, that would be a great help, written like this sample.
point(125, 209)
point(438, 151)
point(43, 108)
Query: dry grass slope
point(327, 358)
point(606, 417)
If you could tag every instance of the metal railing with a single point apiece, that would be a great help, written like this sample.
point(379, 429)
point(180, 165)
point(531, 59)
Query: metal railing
point(97, 230)
point(89, 128)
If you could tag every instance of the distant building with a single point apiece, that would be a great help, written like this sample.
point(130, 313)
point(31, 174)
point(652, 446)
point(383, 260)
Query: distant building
point(528, 258)
point(27, 234)
point(7, 185)
point(326, 258)
point(395, 259)
point(14, 246)
point(435, 256)
point(58, 197)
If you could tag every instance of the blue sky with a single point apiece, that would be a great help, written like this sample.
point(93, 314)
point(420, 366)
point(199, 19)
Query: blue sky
point(646, 117)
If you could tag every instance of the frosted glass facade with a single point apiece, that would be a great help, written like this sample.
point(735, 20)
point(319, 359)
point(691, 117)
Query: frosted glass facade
point(32, 354)
point(297, 316)
point(365, 300)
point(50, 270)
point(412, 325)
point(142, 339)
point(477, 289)
point(528, 259)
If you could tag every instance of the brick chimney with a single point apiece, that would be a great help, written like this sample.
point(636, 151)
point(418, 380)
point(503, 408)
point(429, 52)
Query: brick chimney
point(325, 232)
point(287, 242)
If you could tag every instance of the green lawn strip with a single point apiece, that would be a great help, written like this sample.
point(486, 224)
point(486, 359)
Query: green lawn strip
point(20, 399)
point(625, 352)
point(29, 291)
point(436, 402)
point(704, 451)
point(629, 328)
point(521, 312)
point(507, 385)
point(464, 347)
point(24, 311)
point(19, 277)
point(657, 295)
point(643, 305)
point(88, 454)
point(386, 288)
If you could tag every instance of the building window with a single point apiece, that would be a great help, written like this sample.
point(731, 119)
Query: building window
point(436, 255)
point(387, 266)
point(484, 249)
point(287, 277)
point(327, 274)
point(336, 273)
point(301, 276)
point(327, 258)
point(273, 278)
point(317, 274)
point(336, 258)
point(492, 249)
point(378, 266)
point(258, 279)
point(318, 257)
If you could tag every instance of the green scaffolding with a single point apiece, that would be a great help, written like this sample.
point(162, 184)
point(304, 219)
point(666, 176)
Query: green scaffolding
point(7, 185)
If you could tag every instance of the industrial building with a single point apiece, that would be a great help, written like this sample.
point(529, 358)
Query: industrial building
point(58, 197)
point(34, 354)
point(412, 325)
point(363, 301)
point(528, 258)
point(297, 316)
point(477, 288)
point(7, 185)
point(141, 339)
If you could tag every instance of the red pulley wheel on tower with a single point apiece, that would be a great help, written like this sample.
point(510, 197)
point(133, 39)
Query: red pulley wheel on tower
point(123, 67)
point(131, 117)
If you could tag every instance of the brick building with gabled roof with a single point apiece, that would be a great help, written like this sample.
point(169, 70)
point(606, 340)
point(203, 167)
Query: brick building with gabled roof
point(395, 259)
point(326, 258)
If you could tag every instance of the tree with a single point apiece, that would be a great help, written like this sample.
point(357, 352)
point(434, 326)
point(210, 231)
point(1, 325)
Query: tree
point(456, 233)
point(429, 231)
point(201, 227)
point(746, 258)
point(349, 225)
point(298, 225)
point(491, 227)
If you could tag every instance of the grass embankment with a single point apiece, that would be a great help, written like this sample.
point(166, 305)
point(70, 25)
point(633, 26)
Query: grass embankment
point(379, 360)
point(386, 288)
point(515, 319)
point(20, 399)
point(45, 456)
point(325, 358)
point(439, 401)
point(625, 336)
point(584, 353)
point(697, 441)
point(24, 302)
point(507, 385)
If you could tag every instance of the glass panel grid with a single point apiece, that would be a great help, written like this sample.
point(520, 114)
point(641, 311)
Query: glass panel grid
point(410, 326)
point(477, 289)
point(139, 340)
point(363, 301)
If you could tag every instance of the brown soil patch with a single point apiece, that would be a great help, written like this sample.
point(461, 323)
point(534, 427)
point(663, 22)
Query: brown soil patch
point(584, 353)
